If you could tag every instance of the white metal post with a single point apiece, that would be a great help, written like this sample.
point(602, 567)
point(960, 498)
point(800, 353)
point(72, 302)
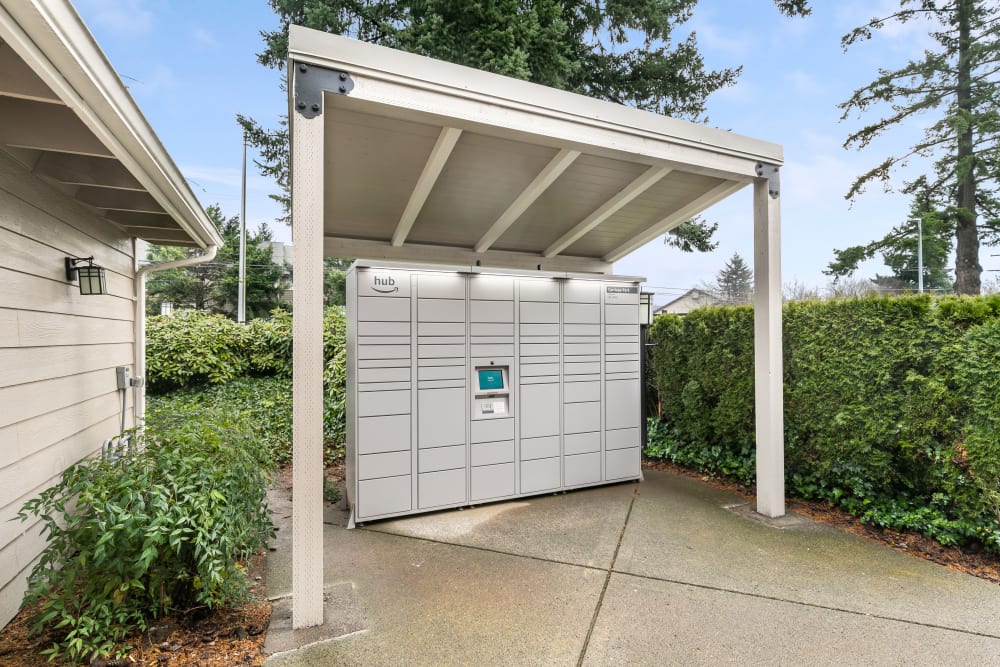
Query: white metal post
point(307, 371)
point(241, 299)
point(920, 255)
point(768, 390)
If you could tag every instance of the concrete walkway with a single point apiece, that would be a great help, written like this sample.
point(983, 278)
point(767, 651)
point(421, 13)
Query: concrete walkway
point(665, 572)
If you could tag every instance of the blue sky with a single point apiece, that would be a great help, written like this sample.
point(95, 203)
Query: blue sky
point(192, 67)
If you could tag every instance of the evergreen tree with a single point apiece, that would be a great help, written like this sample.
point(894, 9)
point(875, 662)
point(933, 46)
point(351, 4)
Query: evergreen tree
point(900, 253)
point(335, 281)
point(214, 286)
point(734, 283)
point(957, 83)
point(576, 45)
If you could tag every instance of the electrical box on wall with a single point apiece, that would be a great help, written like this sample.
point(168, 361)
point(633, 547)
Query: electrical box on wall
point(469, 386)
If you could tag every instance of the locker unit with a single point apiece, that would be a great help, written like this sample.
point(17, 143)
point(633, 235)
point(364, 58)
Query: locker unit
point(472, 385)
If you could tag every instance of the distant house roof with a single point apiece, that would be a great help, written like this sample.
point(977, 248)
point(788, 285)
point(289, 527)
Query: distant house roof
point(685, 303)
point(66, 115)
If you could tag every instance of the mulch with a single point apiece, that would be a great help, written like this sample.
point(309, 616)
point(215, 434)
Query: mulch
point(235, 637)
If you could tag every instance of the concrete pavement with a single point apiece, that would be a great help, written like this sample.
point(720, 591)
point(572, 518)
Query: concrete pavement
point(665, 572)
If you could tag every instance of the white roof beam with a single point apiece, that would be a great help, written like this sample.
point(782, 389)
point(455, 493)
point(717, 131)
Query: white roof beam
point(45, 126)
point(428, 177)
point(18, 80)
point(334, 246)
point(648, 179)
point(686, 212)
point(84, 170)
point(556, 166)
point(119, 200)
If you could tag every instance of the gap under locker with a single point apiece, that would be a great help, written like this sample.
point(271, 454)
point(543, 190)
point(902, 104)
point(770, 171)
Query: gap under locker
point(469, 385)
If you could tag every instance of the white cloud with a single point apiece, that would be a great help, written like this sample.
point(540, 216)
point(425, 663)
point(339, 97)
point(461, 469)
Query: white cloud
point(712, 38)
point(910, 38)
point(204, 38)
point(741, 92)
point(805, 84)
point(127, 18)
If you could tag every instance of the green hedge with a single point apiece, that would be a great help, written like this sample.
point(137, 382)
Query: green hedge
point(891, 408)
point(194, 351)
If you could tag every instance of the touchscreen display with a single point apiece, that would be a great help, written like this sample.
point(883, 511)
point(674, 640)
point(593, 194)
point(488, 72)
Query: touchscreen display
point(490, 378)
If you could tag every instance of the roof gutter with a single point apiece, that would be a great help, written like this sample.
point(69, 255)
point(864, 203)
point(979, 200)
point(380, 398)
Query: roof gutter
point(140, 318)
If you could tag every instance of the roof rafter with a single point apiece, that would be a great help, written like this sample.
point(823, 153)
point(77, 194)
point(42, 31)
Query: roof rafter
point(428, 177)
point(556, 166)
point(673, 219)
point(646, 180)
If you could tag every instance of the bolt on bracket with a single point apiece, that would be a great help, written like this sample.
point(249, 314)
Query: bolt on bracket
point(770, 172)
point(310, 84)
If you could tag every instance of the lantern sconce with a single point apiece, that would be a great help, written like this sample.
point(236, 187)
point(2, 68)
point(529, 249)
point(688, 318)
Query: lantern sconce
point(645, 308)
point(91, 276)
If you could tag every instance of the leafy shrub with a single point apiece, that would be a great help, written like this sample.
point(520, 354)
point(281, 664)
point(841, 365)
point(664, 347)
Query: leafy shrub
point(334, 380)
point(190, 347)
point(269, 345)
point(265, 404)
point(159, 530)
point(877, 419)
point(196, 349)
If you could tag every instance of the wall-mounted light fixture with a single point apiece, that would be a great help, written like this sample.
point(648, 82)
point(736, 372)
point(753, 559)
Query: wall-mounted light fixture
point(645, 308)
point(91, 276)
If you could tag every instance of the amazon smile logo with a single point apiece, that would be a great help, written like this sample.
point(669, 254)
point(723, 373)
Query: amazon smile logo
point(384, 285)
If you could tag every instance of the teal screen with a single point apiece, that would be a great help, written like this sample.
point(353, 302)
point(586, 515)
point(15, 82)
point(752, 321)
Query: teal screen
point(490, 379)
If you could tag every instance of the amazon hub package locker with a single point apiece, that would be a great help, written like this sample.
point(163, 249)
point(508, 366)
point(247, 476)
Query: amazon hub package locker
point(466, 387)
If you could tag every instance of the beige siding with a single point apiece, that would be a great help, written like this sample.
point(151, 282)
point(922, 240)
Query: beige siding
point(58, 353)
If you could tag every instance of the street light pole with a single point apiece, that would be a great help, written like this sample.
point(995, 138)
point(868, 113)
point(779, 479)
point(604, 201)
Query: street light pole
point(241, 308)
point(920, 255)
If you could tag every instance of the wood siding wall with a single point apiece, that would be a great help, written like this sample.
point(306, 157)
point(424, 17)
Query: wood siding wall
point(58, 353)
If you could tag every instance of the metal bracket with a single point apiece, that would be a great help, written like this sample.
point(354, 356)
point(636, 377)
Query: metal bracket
point(310, 84)
point(770, 172)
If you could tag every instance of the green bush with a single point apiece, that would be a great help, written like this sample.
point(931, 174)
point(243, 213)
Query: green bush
point(978, 382)
point(264, 403)
point(269, 345)
point(193, 347)
point(887, 414)
point(334, 380)
point(162, 529)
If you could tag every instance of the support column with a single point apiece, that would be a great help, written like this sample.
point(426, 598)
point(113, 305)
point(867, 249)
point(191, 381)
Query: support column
point(768, 374)
point(307, 369)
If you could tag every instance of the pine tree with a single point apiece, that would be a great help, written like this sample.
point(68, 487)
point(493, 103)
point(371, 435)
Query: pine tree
point(899, 250)
point(214, 286)
point(958, 84)
point(734, 283)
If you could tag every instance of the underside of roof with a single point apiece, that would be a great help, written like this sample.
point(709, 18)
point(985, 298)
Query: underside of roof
point(65, 115)
point(430, 161)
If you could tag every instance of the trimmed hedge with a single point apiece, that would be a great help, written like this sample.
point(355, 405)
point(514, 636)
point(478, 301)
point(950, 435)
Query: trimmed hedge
point(891, 406)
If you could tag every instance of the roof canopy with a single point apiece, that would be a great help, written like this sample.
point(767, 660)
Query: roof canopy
point(431, 161)
point(66, 116)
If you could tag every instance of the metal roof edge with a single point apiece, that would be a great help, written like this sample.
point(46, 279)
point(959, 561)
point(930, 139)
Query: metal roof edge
point(492, 271)
point(362, 58)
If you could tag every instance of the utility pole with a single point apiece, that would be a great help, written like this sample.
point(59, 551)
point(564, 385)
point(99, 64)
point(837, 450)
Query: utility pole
point(241, 308)
point(920, 255)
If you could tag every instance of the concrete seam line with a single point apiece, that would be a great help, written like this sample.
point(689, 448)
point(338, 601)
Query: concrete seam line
point(799, 603)
point(607, 579)
point(369, 529)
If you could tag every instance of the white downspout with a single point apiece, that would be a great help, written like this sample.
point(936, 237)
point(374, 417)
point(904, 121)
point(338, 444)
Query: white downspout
point(140, 319)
